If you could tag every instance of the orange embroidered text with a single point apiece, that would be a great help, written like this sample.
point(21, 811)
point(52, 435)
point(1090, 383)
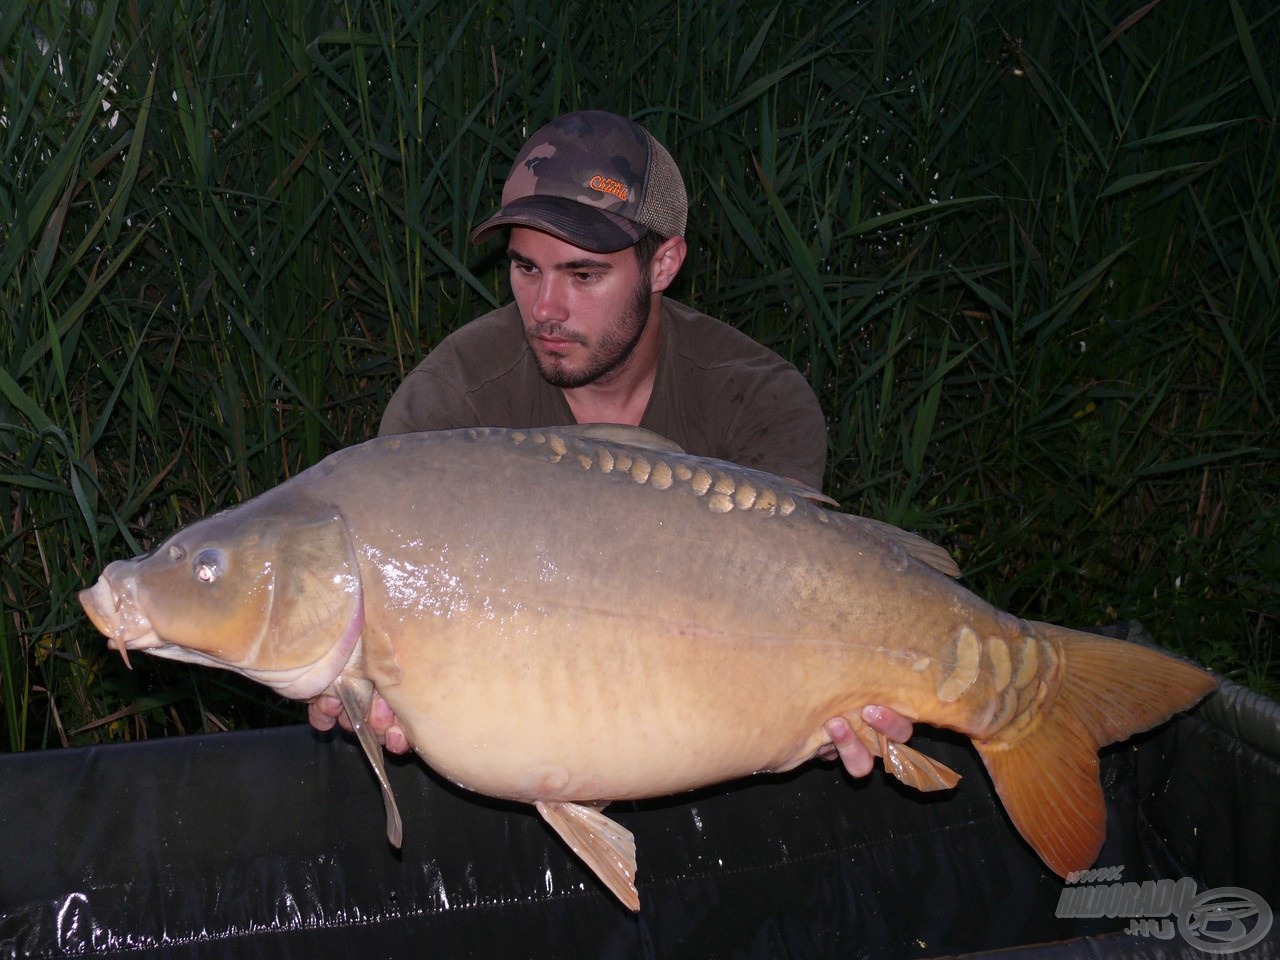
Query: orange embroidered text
point(605, 185)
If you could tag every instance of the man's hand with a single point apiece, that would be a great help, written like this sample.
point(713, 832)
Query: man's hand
point(324, 711)
point(855, 756)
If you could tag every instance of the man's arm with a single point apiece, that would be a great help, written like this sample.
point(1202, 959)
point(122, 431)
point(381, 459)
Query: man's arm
point(425, 401)
point(780, 428)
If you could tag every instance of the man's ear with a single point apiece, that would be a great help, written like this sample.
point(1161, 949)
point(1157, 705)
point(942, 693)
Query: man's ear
point(666, 263)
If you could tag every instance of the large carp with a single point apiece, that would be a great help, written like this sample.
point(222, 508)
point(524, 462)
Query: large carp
point(568, 617)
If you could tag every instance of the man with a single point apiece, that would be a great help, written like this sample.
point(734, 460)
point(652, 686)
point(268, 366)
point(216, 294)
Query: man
point(594, 209)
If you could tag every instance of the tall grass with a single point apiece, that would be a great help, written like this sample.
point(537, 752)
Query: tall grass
point(1026, 253)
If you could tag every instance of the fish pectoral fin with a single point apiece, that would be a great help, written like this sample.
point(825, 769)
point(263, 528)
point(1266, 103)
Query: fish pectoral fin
point(356, 696)
point(915, 769)
point(605, 845)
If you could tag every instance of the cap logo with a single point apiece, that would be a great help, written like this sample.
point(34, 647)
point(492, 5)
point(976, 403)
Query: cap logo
point(605, 185)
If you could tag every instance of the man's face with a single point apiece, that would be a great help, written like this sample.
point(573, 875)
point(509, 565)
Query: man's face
point(583, 312)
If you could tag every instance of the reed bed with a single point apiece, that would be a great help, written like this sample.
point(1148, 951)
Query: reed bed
point(1027, 255)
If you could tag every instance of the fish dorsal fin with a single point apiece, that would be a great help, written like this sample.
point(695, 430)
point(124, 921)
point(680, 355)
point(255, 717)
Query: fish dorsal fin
point(916, 546)
point(806, 492)
point(356, 694)
point(605, 845)
point(622, 433)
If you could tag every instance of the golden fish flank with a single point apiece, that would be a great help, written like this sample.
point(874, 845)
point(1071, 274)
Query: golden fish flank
point(574, 576)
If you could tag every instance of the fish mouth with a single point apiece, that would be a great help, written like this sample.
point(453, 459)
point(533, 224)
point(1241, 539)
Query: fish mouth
point(113, 609)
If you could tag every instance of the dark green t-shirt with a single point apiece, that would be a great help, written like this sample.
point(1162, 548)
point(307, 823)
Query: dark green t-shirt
point(717, 392)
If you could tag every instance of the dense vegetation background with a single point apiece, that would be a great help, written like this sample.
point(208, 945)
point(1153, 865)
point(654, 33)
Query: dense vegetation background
point(1026, 253)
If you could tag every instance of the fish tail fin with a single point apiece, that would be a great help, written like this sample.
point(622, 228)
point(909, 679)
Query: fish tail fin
point(1046, 772)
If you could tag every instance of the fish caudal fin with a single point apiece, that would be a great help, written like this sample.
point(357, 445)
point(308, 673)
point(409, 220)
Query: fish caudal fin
point(605, 845)
point(1046, 773)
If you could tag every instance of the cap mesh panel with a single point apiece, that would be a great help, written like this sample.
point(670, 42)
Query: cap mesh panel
point(665, 208)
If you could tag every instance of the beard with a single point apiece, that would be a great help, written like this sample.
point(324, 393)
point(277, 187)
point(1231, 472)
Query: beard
point(611, 351)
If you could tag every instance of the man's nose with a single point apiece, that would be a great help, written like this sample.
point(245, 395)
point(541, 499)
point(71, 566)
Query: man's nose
point(548, 305)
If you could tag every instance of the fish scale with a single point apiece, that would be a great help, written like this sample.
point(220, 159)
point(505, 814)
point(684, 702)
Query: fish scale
point(572, 616)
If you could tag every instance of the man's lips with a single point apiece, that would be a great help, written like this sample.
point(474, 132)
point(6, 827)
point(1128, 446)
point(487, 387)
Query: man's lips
point(556, 343)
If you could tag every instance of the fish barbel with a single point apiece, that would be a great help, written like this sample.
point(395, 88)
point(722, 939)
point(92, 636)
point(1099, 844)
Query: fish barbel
point(572, 616)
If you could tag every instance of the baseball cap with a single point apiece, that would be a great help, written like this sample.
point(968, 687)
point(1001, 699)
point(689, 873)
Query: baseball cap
point(594, 179)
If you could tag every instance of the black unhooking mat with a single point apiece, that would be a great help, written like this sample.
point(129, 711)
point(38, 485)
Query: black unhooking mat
point(271, 844)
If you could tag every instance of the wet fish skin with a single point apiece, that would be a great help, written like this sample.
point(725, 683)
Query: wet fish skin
point(572, 616)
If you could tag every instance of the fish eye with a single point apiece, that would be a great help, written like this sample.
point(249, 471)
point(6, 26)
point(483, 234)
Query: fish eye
point(176, 552)
point(208, 565)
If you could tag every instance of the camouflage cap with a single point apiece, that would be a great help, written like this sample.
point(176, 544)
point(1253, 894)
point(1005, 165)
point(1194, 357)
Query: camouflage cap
point(594, 179)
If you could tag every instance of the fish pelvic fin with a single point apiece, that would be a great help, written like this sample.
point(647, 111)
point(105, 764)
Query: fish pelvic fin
point(605, 845)
point(1046, 772)
point(356, 694)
